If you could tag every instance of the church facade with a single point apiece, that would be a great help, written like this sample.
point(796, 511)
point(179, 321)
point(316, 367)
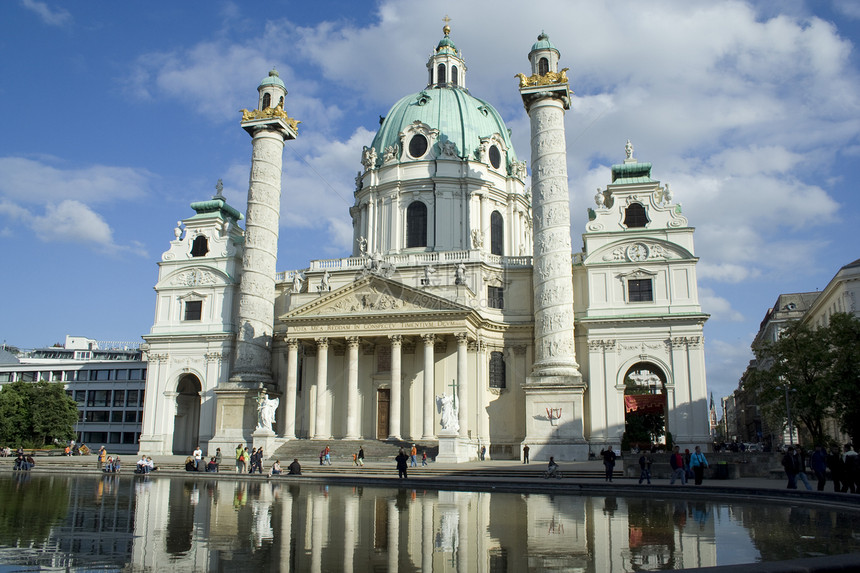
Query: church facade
point(461, 318)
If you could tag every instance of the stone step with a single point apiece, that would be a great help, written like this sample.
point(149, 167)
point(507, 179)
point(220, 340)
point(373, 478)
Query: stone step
point(342, 450)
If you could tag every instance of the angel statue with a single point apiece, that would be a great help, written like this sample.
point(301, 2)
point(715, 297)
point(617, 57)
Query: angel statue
point(445, 405)
point(266, 412)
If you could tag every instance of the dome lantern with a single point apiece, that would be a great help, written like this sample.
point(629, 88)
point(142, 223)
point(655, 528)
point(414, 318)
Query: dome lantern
point(543, 56)
point(446, 66)
point(272, 91)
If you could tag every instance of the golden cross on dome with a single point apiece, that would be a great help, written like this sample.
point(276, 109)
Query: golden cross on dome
point(447, 29)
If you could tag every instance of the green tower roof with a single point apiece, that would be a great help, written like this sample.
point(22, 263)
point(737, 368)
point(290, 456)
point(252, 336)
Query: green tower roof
point(543, 43)
point(272, 79)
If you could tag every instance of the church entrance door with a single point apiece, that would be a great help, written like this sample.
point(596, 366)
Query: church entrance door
point(186, 424)
point(383, 402)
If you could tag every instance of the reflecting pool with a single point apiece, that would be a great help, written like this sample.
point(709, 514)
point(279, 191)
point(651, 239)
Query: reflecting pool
point(154, 524)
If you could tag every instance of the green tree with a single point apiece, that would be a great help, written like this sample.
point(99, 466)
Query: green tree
point(36, 413)
point(844, 339)
point(797, 364)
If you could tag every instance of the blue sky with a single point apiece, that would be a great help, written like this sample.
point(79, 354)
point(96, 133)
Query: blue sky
point(116, 117)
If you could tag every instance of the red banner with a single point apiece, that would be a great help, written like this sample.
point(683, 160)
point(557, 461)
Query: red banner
point(644, 403)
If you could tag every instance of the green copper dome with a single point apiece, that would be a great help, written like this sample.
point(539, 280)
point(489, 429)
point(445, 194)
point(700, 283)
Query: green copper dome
point(272, 79)
point(543, 43)
point(459, 117)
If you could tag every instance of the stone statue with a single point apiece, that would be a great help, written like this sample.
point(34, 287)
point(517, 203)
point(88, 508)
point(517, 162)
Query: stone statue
point(477, 238)
point(448, 149)
point(297, 282)
point(667, 194)
point(599, 198)
point(266, 412)
point(362, 246)
point(428, 273)
point(325, 282)
point(628, 150)
point(368, 157)
point(390, 154)
point(359, 183)
point(445, 405)
point(178, 230)
point(460, 274)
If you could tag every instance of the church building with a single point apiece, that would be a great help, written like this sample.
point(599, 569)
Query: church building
point(462, 318)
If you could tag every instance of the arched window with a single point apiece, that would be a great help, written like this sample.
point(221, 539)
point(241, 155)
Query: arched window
point(454, 75)
point(267, 100)
point(199, 247)
point(497, 370)
point(635, 216)
point(440, 74)
point(497, 234)
point(543, 66)
point(416, 225)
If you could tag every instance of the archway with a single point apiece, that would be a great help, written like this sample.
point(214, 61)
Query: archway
point(186, 424)
point(644, 406)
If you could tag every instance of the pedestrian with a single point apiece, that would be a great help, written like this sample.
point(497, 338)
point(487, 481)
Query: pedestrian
point(401, 463)
point(698, 463)
point(525, 454)
point(676, 461)
point(552, 467)
point(217, 458)
point(355, 459)
point(851, 471)
point(101, 458)
point(240, 462)
point(327, 454)
point(483, 452)
point(361, 456)
point(322, 456)
point(793, 469)
point(198, 456)
point(424, 458)
point(608, 462)
point(687, 471)
point(413, 453)
point(818, 464)
point(837, 468)
point(252, 460)
point(645, 462)
point(259, 462)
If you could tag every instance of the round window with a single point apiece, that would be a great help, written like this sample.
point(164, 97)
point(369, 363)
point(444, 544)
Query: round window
point(418, 146)
point(495, 157)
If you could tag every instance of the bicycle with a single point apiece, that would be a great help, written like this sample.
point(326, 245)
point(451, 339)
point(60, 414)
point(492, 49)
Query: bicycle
point(556, 474)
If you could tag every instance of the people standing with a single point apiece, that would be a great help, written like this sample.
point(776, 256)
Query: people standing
point(645, 462)
point(361, 456)
point(102, 457)
point(327, 454)
point(608, 462)
point(698, 463)
point(851, 470)
point(240, 463)
point(198, 456)
point(252, 461)
point(217, 458)
point(794, 469)
point(413, 453)
point(424, 458)
point(401, 463)
point(525, 454)
point(837, 468)
point(483, 452)
point(818, 464)
point(676, 461)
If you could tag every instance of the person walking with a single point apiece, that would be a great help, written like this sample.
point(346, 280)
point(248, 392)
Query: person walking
point(252, 460)
point(794, 468)
point(818, 464)
point(413, 453)
point(608, 462)
point(676, 461)
point(526, 454)
point(327, 455)
point(645, 462)
point(102, 457)
point(851, 470)
point(401, 463)
point(837, 468)
point(698, 463)
point(361, 456)
point(424, 458)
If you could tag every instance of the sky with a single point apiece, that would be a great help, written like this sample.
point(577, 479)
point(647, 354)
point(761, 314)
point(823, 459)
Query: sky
point(117, 116)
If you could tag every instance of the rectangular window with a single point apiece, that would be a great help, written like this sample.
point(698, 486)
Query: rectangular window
point(128, 438)
point(6, 376)
point(28, 376)
point(94, 437)
point(116, 416)
point(83, 354)
point(81, 397)
point(70, 375)
point(193, 309)
point(57, 376)
point(97, 416)
point(103, 375)
point(640, 290)
point(121, 375)
point(118, 398)
point(495, 297)
point(115, 437)
point(131, 398)
point(98, 398)
point(131, 416)
point(134, 374)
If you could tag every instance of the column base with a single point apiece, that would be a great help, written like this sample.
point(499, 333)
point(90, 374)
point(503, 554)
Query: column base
point(454, 450)
point(555, 418)
point(265, 439)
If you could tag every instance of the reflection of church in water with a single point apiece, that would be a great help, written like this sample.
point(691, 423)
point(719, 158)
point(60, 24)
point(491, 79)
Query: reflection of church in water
point(462, 287)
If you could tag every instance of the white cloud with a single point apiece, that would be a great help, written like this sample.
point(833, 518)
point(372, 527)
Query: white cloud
point(71, 220)
point(55, 17)
point(718, 307)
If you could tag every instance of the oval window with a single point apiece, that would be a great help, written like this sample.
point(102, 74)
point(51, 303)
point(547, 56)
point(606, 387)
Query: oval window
point(495, 157)
point(418, 146)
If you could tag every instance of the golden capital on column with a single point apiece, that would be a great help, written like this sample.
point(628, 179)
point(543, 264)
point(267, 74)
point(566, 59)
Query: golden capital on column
point(396, 339)
point(429, 339)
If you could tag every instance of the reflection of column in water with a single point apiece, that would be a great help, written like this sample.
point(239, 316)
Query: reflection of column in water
point(315, 511)
point(261, 510)
point(349, 527)
point(427, 533)
point(393, 535)
point(286, 501)
point(464, 547)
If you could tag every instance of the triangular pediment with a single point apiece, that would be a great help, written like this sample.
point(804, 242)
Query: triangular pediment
point(375, 296)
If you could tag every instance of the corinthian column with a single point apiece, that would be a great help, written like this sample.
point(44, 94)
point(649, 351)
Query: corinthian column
point(394, 418)
point(429, 381)
point(321, 389)
point(352, 388)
